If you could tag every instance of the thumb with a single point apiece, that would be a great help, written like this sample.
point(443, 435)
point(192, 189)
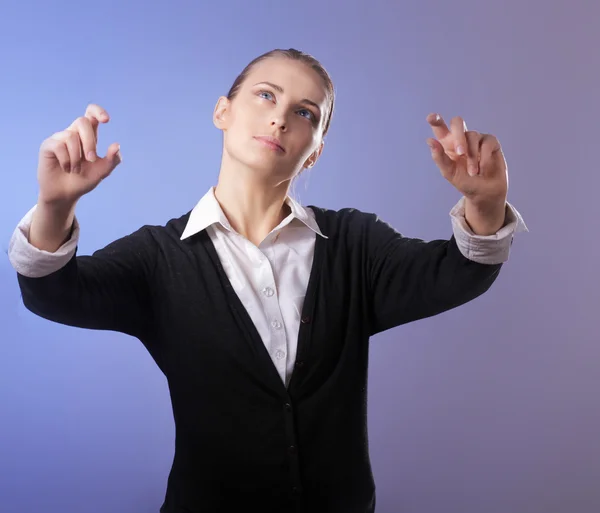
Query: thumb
point(441, 159)
point(113, 158)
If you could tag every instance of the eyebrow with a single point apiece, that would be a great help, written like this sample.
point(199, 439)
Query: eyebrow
point(280, 89)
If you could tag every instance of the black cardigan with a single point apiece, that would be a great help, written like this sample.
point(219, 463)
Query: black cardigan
point(245, 442)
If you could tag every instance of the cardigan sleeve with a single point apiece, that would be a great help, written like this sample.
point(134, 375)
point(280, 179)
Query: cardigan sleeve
point(411, 279)
point(108, 290)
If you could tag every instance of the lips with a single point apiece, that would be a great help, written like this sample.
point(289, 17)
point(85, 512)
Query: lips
point(271, 142)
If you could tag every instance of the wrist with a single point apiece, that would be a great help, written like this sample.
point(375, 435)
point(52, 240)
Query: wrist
point(56, 207)
point(485, 218)
point(486, 204)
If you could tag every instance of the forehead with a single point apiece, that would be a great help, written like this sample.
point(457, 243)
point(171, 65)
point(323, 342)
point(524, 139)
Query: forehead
point(296, 78)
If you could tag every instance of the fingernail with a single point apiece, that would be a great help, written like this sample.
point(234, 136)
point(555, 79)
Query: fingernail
point(91, 156)
point(460, 150)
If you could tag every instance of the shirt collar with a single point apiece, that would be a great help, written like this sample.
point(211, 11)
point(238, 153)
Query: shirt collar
point(208, 212)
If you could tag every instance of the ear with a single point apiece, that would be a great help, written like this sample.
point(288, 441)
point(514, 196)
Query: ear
point(221, 112)
point(314, 156)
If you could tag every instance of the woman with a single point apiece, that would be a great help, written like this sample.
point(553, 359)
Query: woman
point(258, 310)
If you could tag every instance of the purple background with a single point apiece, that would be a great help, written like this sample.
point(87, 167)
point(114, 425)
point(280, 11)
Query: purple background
point(490, 408)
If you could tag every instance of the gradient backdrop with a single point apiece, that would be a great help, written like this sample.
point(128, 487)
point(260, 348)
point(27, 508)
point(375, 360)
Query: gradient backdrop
point(490, 408)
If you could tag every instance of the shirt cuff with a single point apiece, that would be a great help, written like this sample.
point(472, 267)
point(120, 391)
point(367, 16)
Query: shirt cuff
point(32, 262)
point(486, 249)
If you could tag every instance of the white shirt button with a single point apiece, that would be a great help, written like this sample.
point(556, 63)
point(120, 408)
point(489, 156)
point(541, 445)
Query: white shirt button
point(276, 324)
point(279, 354)
point(268, 291)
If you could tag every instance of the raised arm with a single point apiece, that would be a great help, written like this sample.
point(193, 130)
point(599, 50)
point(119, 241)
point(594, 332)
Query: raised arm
point(107, 290)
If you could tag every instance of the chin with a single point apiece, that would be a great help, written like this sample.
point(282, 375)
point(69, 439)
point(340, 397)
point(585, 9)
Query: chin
point(264, 164)
point(270, 172)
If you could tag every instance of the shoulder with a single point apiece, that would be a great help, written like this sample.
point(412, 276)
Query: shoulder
point(169, 231)
point(351, 223)
point(146, 241)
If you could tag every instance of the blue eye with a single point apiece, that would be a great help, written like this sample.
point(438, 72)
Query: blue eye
point(305, 113)
point(267, 93)
point(309, 114)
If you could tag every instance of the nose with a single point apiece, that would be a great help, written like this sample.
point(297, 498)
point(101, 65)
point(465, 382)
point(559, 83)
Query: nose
point(279, 121)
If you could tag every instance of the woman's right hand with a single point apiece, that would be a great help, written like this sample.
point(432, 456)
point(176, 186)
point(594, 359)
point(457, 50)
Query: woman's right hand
point(69, 166)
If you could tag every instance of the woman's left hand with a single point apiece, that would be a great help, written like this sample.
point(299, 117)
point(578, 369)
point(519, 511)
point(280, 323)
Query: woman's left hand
point(472, 162)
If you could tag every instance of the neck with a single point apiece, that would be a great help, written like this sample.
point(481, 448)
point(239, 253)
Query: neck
point(253, 206)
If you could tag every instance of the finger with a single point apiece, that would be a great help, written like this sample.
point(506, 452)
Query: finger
point(57, 149)
point(83, 127)
point(446, 165)
point(438, 126)
point(95, 111)
point(106, 165)
point(73, 144)
point(114, 153)
point(473, 152)
point(490, 151)
point(458, 127)
point(96, 115)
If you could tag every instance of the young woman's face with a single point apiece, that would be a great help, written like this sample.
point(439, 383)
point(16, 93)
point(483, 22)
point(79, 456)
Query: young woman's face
point(274, 124)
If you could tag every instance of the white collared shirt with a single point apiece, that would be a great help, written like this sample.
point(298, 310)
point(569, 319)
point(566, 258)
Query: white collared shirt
point(271, 279)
